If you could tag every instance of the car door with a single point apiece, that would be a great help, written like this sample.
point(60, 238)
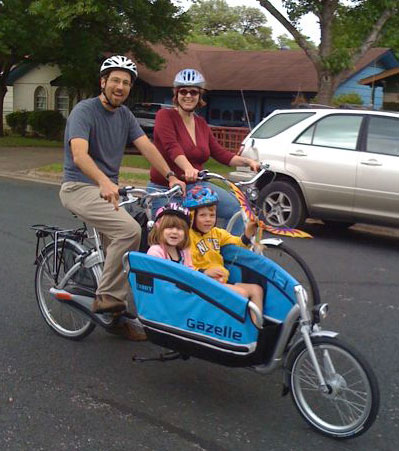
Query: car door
point(324, 159)
point(377, 180)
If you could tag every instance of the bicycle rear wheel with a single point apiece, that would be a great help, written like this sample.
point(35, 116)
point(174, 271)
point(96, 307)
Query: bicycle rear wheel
point(295, 265)
point(64, 320)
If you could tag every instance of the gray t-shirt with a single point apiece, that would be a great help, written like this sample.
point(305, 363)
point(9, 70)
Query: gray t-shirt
point(107, 132)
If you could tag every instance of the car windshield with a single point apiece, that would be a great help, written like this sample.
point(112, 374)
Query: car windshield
point(147, 110)
point(279, 123)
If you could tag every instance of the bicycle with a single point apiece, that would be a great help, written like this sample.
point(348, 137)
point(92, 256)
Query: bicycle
point(272, 248)
point(69, 265)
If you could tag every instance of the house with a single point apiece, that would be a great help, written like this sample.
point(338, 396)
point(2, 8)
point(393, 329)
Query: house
point(388, 81)
point(243, 85)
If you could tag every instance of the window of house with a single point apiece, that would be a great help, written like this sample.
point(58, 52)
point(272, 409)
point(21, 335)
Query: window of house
point(226, 116)
point(62, 101)
point(215, 113)
point(40, 99)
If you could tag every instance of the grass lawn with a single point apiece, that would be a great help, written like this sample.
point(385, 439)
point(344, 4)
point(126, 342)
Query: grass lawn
point(24, 141)
point(138, 161)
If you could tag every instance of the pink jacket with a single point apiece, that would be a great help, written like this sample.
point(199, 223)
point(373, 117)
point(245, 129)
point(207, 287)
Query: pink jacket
point(159, 251)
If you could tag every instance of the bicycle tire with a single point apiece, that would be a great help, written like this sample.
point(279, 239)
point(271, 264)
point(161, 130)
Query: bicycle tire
point(296, 266)
point(62, 319)
point(350, 406)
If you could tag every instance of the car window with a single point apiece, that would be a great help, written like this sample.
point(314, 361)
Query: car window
point(278, 123)
point(333, 131)
point(383, 135)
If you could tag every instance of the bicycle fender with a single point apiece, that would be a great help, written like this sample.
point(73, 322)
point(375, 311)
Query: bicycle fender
point(274, 241)
point(286, 374)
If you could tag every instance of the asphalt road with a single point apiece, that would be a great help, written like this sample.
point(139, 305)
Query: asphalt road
point(89, 395)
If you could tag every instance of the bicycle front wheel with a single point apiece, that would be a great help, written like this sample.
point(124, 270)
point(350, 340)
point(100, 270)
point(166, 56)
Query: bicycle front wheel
point(61, 318)
point(296, 266)
point(350, 404)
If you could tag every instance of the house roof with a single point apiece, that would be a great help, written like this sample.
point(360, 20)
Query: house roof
point(379, 77)
point(232, 70)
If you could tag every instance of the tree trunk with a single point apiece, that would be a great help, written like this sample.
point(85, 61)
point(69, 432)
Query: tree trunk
point(326, 88)
point(3, 92)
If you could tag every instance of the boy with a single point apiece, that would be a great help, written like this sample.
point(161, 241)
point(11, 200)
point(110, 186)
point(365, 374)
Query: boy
point(207, 240)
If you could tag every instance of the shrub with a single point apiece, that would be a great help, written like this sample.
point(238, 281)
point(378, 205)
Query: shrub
point(18, 121)
point(351, 98)
point(47, 123)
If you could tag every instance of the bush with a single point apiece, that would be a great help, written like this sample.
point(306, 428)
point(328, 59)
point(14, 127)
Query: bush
point(18, 121)
point(351, 98)
point(48, 123)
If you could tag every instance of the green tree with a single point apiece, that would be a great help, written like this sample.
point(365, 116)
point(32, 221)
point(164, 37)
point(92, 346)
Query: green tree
point(348, 29)
point(76, 34)
point(214, 22)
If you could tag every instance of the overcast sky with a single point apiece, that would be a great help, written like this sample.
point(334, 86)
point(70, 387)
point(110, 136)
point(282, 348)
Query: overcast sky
point(309, 24)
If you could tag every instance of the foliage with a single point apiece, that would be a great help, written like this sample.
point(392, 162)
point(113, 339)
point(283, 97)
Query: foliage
point(76, 34)
point(49, 123)
point(348, 29)
point(240, 28)
point(18, 121)
point(350, 98)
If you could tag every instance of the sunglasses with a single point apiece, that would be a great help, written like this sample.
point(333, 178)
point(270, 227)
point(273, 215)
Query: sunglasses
point(192, 92)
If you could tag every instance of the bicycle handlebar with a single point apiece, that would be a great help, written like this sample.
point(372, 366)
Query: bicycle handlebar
point(140, 192)
point(206, 175)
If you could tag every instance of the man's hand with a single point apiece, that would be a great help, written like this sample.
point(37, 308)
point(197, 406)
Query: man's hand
point(218, 273)
point(109, 192)
point(175, 181)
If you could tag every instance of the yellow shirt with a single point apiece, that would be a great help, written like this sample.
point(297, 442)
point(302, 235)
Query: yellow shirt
point(205, 247)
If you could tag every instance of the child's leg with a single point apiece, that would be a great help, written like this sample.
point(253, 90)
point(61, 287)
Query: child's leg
point(254, 292)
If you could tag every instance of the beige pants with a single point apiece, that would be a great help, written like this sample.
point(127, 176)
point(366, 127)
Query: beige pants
point(121, 230)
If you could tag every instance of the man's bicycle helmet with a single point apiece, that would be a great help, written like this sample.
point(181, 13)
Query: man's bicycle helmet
point(119, 62)
point(200, 196)
point(173, 209)
point(189, 77)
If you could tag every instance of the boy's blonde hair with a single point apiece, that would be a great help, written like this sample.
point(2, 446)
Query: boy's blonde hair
point(167, 222)
point(212, 208)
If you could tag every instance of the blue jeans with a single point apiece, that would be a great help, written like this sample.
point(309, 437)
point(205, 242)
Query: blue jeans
point(227, 206)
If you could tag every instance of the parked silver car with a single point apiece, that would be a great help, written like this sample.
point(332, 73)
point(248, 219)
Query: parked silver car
point(338, 165)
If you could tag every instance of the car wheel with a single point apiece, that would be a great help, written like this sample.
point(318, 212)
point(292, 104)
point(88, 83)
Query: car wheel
point(281, 205)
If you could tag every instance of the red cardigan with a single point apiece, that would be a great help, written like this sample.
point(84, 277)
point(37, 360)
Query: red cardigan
point(172, 139)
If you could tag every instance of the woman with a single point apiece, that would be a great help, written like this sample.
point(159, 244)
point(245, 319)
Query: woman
point(186, 142)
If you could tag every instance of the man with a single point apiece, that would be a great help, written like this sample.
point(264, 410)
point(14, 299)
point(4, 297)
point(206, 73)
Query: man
point(96, 134)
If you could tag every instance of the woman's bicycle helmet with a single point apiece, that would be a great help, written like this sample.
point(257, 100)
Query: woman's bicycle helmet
point(119, 62)
point(173, 209)
point(189, 77)
point(200, 196)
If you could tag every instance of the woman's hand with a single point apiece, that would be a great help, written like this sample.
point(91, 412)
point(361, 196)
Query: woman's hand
point(191, 175)
point(254, 165)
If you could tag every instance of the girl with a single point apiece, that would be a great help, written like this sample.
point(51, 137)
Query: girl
point(169, 238)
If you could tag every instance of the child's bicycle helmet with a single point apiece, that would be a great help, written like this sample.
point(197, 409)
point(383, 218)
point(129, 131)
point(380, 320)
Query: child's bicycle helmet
point(200, 196)
point(173, 209)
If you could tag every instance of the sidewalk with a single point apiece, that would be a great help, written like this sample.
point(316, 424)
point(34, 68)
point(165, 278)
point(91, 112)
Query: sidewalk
point(23, 163)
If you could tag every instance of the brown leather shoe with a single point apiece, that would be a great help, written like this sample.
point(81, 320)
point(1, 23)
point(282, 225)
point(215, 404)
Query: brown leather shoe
point(129, 330)
point(106, 303)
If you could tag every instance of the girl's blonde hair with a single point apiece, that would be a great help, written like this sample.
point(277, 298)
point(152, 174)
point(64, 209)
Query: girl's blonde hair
point(167, 222)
